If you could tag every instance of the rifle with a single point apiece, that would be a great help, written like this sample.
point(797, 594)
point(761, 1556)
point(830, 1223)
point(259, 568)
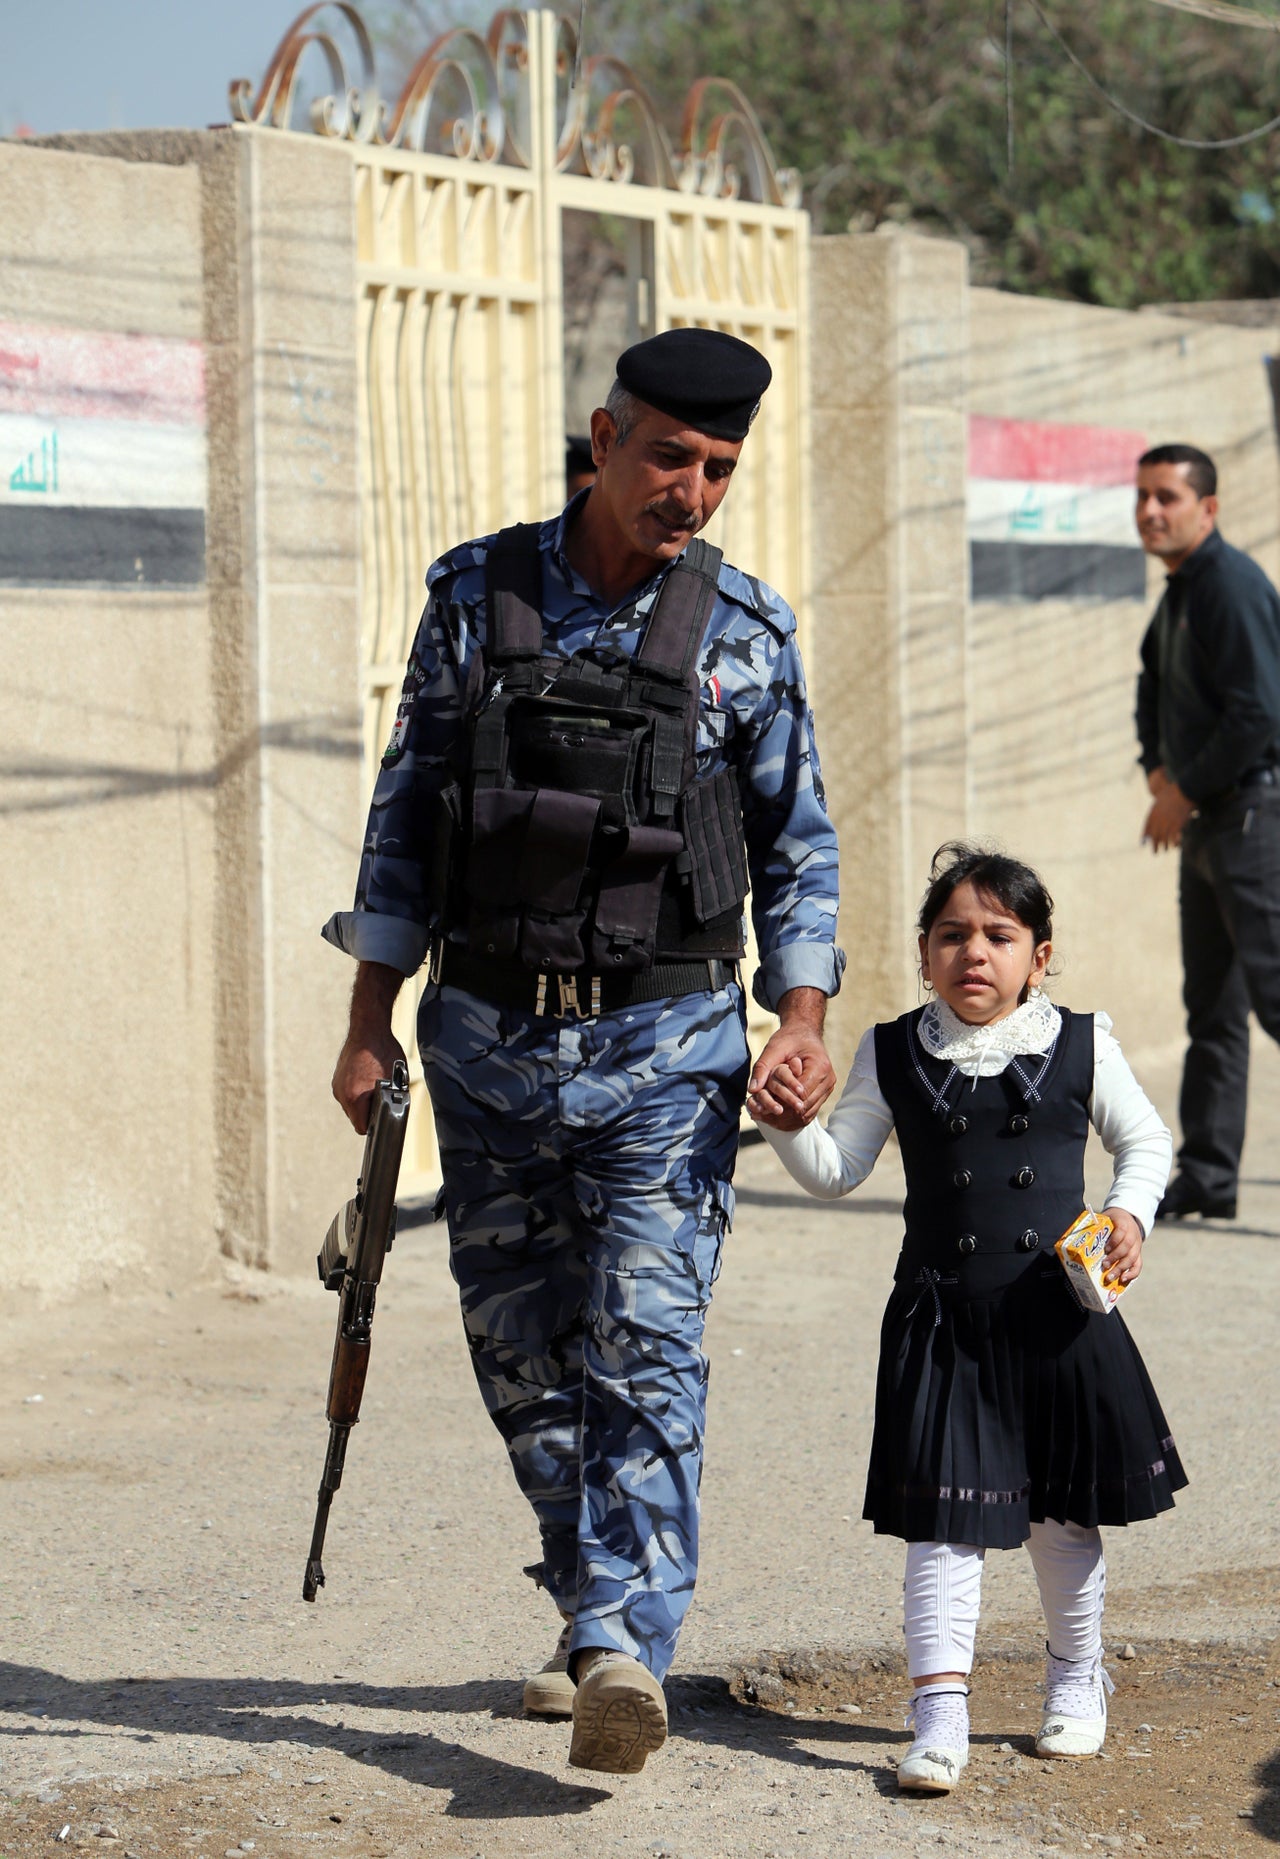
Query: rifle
point(350, 1263)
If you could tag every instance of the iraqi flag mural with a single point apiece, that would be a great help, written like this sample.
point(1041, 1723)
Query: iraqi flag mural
point(102, 458)
point(1050, 511)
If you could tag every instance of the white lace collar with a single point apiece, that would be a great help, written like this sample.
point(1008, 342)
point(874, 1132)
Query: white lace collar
point(1033, 1027)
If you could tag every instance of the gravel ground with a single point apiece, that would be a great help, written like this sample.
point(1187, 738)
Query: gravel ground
point(165, 1691)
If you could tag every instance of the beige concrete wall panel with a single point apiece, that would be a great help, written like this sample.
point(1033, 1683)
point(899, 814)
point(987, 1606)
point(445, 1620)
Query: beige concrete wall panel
point(853, 466)
point(1055, 782)
point(936, 734)
point(95, 243)
point(303, 203)
point(1052, 683)
point(308, 496)
point(931, 507)
point(303, 672)
point(933, 321)
point(106, 824)
point(854, 339)
point(113, 769)
point(310, 771)
point(891, 571)
point(854, 684)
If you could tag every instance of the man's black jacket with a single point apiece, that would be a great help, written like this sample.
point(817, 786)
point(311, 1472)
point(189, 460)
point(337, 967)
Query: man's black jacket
point(1209, 689)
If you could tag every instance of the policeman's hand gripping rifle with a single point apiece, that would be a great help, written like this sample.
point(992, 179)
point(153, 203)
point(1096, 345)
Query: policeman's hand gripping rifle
point(350, 1262)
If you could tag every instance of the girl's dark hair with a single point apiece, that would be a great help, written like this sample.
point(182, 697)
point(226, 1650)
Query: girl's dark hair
point(1013, 885)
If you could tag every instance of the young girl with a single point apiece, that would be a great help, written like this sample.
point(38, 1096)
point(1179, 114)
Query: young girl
point(1005, 1413)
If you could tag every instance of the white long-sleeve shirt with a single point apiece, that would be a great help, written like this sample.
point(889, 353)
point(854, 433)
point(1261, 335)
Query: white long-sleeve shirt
point(830, 1162)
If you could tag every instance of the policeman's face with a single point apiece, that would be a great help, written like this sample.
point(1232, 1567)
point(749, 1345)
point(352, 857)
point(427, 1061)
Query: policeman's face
point(663, 483)
point(1171, 519)
point(980, 959)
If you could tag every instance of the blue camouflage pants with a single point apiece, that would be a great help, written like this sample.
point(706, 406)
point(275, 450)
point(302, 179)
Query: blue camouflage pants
point(587, 1169)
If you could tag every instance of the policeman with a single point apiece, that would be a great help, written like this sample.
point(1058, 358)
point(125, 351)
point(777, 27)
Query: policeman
point(602, 734)
point(1208, 718)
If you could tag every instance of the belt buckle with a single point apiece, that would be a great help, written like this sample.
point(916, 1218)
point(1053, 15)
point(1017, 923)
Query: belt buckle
point(569, 1001)
point(569, 997)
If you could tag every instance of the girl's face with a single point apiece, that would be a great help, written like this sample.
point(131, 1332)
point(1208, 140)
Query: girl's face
point(980, 959)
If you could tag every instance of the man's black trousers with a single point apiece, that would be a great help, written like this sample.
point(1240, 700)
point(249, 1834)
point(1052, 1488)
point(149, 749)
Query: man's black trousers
point(1229, 905)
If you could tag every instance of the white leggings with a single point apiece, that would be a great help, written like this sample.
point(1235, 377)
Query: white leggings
point(944, 1582)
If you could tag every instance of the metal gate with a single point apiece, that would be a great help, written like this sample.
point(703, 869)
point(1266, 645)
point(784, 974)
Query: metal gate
point(460, 189)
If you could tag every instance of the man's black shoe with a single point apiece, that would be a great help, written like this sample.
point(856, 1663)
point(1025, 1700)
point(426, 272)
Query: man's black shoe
point(1182, 1198)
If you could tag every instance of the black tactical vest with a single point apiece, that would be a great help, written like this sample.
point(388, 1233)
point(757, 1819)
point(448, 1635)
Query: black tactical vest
point(994, 1167)
point(584, 839)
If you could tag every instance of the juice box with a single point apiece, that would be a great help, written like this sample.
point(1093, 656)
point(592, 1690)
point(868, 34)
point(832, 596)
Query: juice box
point(1080, 1249)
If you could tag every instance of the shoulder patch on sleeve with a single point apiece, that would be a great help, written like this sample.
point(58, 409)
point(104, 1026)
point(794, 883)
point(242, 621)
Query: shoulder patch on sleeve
point(758, 599)
point(414, 679)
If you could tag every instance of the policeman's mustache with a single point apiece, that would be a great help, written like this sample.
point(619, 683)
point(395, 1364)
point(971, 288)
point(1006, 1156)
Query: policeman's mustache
point(672, 517)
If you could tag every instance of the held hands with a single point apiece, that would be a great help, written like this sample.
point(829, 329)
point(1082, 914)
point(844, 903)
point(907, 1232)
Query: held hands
point(793, 1077)
point(1122, 1259)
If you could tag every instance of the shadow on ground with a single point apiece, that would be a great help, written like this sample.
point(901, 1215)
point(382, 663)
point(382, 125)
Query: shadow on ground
point(256, 1713)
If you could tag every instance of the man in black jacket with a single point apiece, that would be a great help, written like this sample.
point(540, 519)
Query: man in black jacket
point(1208, 720)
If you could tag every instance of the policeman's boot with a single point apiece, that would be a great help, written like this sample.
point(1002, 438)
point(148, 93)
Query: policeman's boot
point(549, 1693)
point(619, 1713)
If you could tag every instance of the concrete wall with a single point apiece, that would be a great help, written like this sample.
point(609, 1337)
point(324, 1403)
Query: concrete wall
point(106, 829)
point(180, 798)
point(1009, 722)
point(180, 804)
point(888, 662)
point(1052, 685)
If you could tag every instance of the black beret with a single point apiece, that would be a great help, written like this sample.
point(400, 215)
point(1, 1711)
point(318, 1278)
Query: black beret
point(711, 380)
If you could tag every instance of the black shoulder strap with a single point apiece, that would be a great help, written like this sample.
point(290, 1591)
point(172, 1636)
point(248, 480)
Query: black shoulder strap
point(513, 595)
point(679, 617)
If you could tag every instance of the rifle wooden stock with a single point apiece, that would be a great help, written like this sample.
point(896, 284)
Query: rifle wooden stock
point(350, 1262)
point(346, 1380)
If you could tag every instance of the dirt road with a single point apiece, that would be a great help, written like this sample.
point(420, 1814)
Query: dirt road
point(165, 1691)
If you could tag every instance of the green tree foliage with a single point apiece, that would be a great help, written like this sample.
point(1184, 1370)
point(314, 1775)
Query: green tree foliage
point(898, 110)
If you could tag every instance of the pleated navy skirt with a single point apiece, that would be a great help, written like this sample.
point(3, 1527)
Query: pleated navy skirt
point(1001, 1403)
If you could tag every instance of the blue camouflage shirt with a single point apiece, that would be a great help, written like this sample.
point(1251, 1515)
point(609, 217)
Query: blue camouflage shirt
point(754, 715)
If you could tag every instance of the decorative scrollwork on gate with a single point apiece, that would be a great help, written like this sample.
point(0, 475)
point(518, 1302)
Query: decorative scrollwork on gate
point(612, 131)
point(349, 112)
point(724, 152)
point(450, 104)
point(469, 98)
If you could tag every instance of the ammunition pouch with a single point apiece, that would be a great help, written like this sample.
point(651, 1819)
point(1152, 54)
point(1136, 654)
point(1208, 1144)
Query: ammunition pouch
point(710, 816)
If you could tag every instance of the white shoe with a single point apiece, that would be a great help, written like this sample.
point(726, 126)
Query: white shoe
point(940, 1747)
point(1075, 1708)
point(549, 1693)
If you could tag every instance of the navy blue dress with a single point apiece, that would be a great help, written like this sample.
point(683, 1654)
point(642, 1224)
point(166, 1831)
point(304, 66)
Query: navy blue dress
point(999, 1401)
